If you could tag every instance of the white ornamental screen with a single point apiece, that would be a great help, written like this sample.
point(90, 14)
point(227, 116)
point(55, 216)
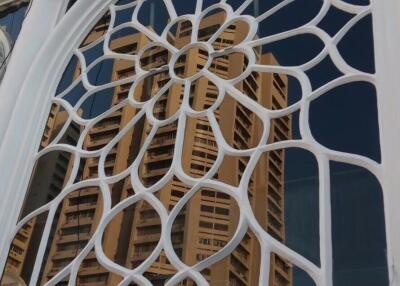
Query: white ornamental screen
point(99, 28)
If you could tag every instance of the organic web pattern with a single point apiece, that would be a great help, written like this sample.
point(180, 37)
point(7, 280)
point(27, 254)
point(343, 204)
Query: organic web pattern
point(322, 275)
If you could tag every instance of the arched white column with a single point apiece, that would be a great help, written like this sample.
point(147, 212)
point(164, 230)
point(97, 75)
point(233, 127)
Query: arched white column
point(40, 54)
point(386, 21)
point(43, 51)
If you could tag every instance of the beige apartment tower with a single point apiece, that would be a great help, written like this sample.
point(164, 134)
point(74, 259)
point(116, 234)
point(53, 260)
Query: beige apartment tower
point(209, 220)
point(46, 183)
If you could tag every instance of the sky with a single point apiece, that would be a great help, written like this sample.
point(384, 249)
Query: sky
point(345, 119)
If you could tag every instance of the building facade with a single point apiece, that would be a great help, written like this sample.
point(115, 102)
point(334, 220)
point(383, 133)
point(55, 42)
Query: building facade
point(46, 183)
point(208, 222)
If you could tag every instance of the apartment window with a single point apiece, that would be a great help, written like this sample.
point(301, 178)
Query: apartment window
point(205, 224)
point(90, 199)
point(222, 227)
point(208, 209)
point(221, 211)
point(16, 249)
point(177, 194)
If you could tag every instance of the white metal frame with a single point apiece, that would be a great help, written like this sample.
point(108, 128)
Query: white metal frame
point(44, 48)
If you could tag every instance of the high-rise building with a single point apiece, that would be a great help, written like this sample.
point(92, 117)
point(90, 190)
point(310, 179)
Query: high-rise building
point(209, 220)
point(81, 210)
point(46, 183)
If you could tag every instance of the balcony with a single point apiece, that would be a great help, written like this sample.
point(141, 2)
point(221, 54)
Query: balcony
point(159, 142)
point(73, 237)
point(149, 221)
point(76, 222)
point(105, 127)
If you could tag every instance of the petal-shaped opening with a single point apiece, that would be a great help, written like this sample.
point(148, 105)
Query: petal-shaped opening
point(204, 94)
point(23, 252)
point(150, 85)
point(200, 147)
point(293, 51)
point(210, 23)
point(158, 158)
point(78, 216)
point(232, 35)
point(168, 104)
point(122, 152)
point(358, 226)
point(222, 67)
point(154, 57)
point(335, 124)
point(284, 195)
point(244, 130)
point(180, 33)
point(184, 68)
point(209, 221)
point(154, 15)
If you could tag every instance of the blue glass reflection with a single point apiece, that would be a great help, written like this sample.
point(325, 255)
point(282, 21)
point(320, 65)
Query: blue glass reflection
point(12, 21)
point(340, 120)
point(359, 252)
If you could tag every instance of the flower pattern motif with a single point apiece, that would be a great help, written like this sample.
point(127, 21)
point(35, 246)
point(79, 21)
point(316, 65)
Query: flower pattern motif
point(227, 87)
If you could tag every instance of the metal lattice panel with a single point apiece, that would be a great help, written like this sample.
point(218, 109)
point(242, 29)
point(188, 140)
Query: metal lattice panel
point(322, 275)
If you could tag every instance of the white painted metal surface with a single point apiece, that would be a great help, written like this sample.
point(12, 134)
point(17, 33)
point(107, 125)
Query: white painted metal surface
point(35, 70)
